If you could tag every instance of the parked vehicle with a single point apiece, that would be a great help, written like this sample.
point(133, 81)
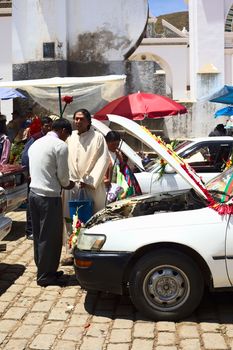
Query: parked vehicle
point(5, 222)
point(13, 178)
point(163, 248)
point(207, 156)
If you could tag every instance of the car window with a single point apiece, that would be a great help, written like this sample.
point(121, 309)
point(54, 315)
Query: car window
point(208, 157)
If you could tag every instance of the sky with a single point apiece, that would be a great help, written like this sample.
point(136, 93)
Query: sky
point(161, 7)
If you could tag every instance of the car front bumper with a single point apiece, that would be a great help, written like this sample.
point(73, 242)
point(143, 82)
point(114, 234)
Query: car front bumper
point(106, 270)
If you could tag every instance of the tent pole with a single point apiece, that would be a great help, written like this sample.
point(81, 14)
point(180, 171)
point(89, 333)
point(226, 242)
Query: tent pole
point(59, 96)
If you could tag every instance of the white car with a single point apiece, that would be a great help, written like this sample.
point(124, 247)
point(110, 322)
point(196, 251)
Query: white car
point(207, 155)
point(162, 249)
point(5, 222)
point(14, 180)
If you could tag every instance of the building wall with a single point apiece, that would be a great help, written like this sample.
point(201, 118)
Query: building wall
point(85, 44)
point(6, 60)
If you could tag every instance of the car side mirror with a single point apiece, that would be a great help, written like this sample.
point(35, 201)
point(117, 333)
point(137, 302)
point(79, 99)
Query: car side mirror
point(169, 169)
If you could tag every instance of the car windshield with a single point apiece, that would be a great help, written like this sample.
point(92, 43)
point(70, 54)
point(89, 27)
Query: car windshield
point(155, 164)
point(221, 187)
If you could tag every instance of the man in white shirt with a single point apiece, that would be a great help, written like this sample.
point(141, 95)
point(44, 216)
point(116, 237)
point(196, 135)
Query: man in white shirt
point(88, 159)
point(48, 167)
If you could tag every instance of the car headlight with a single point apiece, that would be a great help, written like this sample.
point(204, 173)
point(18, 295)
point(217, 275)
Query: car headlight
point(90, 242)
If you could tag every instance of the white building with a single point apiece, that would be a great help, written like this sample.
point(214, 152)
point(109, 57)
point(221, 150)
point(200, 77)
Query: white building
point(63, 37)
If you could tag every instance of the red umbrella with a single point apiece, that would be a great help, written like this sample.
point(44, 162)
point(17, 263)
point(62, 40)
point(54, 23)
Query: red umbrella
point(141, 105)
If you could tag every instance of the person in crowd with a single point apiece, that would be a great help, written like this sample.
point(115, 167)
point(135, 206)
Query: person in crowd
point(219, 130)
point(88, 162)
point(19, 140)
point(13, 125)
point(48, 165)
point(88, 159)
point(5, 144)
point(46, 124)
point(120, 181)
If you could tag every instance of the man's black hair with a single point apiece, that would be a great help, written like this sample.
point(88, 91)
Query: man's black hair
point(46, 120)
point(62, 123)
point(112, 136)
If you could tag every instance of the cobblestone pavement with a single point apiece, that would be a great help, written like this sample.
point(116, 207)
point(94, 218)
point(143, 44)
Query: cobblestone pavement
point(69, 318)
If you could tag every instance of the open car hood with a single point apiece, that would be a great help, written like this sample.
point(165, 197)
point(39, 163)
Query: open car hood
point(144, 135)
point(124, 147)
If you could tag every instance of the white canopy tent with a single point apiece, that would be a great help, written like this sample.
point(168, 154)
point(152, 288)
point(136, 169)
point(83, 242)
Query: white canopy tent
point(87, 92)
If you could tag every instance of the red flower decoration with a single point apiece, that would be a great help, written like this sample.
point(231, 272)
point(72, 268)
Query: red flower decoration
point(67, 99)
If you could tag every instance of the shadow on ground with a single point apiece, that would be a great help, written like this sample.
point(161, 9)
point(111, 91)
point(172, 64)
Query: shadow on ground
point(9, 273)
point(17, 231)
point(215, 307)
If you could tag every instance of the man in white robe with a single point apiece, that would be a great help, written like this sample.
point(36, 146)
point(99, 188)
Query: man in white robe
point(88, 160)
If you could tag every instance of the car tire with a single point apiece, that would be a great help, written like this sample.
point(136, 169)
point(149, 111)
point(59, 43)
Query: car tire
point(166, 285)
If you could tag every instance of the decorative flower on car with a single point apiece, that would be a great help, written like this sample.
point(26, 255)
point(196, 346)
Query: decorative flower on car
point(76, 226)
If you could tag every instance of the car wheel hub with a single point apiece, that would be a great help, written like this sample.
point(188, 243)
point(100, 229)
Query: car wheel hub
point(166, 287)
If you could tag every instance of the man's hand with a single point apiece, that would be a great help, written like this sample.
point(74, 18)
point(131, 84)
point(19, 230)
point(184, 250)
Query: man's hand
point(70, 186)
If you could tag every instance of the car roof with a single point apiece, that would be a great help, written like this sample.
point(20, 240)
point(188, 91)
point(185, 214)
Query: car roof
point(209, 138)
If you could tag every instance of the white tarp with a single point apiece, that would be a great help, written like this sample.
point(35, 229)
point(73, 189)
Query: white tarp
point(91, 93)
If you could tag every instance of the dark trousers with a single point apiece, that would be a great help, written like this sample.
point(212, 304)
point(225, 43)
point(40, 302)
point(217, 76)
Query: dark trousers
point(47, 226)
point(28, 217)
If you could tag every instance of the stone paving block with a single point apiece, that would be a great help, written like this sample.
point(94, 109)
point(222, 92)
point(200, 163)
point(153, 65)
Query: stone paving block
point(167, 348)
point(65, 303)
point(73, 333)
point(145, 344)
point(210, 327)
point(213, 341)
point(65, 345)
point(16, 288)
point(165, 338)
point(119, 346)
point(43, 342)
point(228, 330)
point(122, 323)
point(15, 313)
point(92, 343)
point(22, 279)
point(25, 331)
point(43, 305)
point(7, 325)
point(166, 326)
point(190, 344)
point(54, 327)
point(70, 292)
point(16, 344)
point(24, 301)
point(34, 318)
point(49, 295)
point(97, 330)
point(9, 296)
point(120, 336)
point(78, 320)
point(103, 317)
point(58, 314)
point(2, 336)
point(4, 305)
point(144, 330)
point(31, 292)
point(185, 331)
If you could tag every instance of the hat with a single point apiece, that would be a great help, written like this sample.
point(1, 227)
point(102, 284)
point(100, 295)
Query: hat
point(2, 117)
point(54, 116)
